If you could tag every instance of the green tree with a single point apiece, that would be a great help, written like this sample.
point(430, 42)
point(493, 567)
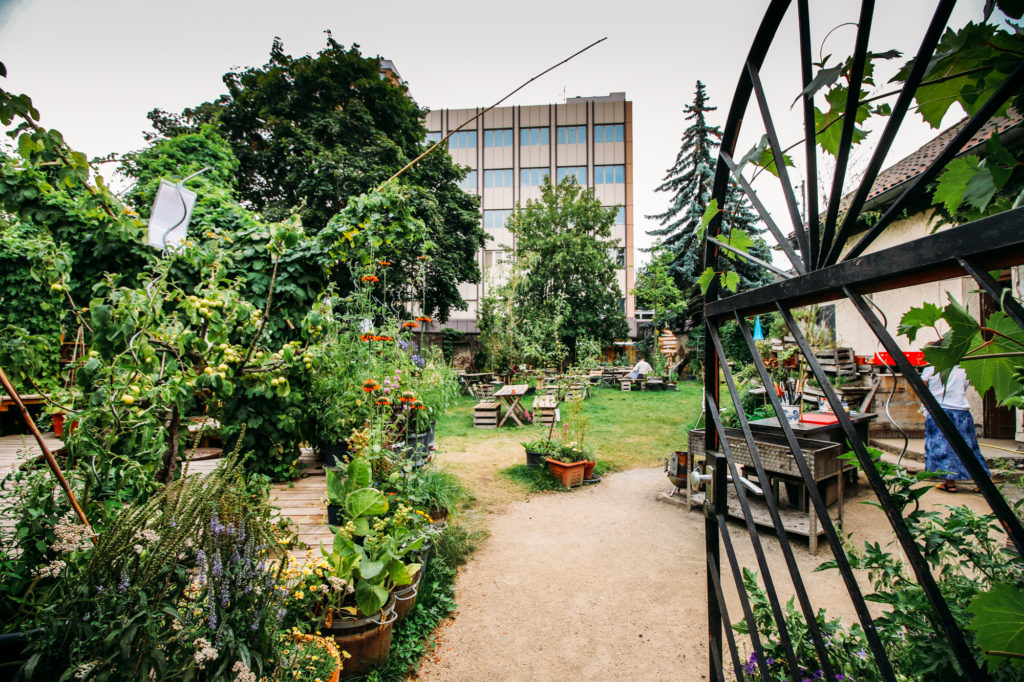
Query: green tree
point(689, 182)
point(313, 131)
point(657, 290)
point(562, 246)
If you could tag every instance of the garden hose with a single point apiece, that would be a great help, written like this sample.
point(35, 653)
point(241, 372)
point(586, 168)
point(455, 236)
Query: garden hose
point(892, 393)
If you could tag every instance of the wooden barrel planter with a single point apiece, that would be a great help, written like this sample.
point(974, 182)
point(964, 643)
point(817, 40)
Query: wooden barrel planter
point(405, 596)
point(367, 640)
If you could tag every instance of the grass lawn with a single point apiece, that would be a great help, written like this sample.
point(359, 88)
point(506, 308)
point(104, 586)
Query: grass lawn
point(626, 430)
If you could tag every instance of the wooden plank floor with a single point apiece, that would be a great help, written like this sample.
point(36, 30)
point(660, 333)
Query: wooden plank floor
point(19, 448)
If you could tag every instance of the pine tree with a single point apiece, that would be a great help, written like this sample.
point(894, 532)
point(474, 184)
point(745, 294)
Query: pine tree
point(689, 182)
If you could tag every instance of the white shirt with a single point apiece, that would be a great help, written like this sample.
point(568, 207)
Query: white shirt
point(642, 367)
point(953, 394)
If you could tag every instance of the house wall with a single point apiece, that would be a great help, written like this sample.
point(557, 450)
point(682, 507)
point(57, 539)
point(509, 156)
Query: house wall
point(853, 332)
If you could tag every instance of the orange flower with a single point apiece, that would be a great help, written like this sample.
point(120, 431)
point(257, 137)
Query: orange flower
point(385, 263)
point(424, 319)
point(370, 278)
point(418, 405)
point(370, 385)
point(383, 401)
point(422, 257)
point(410, 325)
point(385, 338)
point(366, 337)
point(408, 397)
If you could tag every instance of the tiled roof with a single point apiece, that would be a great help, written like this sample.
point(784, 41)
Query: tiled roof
point(910, 167)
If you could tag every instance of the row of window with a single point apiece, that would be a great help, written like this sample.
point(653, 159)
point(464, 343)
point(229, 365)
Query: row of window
point(495, 218)
point(466, 139)
point(534, 177)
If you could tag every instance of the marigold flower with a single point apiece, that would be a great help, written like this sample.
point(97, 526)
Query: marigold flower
point(370, 278)
point(370, 385)
point(423, 318)
point(409, 325)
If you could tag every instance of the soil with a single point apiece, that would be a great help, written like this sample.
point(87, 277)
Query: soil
point(606, 582)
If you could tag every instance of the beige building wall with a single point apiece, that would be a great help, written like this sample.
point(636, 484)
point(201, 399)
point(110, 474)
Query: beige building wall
point(852, 331)
point(586, 112)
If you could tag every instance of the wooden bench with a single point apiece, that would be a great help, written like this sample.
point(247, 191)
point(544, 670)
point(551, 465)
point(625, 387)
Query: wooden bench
point(486, 415)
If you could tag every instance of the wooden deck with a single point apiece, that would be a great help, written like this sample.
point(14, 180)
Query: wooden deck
point(304, 501)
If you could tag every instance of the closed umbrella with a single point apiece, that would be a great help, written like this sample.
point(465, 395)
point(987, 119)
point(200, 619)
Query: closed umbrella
point(758, 334)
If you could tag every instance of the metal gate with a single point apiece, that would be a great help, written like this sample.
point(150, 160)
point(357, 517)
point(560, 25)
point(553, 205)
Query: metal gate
point(829, 264)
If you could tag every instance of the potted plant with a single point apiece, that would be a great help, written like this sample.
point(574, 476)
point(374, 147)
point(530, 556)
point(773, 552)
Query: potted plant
point(568, 465)
point(538, 450)
point(308, 657)
point(437, 491)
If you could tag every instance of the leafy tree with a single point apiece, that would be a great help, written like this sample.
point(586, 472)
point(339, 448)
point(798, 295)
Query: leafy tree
point(657, 290)
point(562, 245)
point(689, 182)
point(312, 131)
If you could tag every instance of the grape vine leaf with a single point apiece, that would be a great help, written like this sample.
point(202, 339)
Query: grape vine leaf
point(705, 280)
point(998, 373)
point(999, 623)
point(916, 318)
point(709, 214)
point(961, 337)
point(953, 182)
point(730, 280)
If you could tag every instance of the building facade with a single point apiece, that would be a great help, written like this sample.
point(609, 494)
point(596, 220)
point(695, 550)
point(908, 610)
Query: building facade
point(509, 151)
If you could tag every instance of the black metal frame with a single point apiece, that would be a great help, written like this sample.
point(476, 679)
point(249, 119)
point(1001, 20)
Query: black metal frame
point(828, 268)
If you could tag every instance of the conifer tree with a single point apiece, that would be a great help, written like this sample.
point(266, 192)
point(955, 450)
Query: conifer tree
point(689, 182)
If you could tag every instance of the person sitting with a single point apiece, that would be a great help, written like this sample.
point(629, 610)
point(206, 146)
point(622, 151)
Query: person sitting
point(640, 369)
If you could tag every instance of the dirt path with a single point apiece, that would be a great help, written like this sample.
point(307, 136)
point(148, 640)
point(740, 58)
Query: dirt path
point(606, 583)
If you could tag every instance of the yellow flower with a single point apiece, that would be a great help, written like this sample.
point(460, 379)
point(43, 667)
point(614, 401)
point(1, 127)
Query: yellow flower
point(299, 594)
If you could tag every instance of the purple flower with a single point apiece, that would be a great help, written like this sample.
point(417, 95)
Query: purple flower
point(403, 344)
point(862, 654)
point(215, 525)
point(819, 674)
point(125, 583)
point(225, 596)
point(241, 531)
point(770, 661)
point(231, 528)
point(841, 676)
point(418, 361)
point(218, 567)
point(213, 615)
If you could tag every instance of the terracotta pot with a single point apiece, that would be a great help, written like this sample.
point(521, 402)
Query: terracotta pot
point(58, 424)
point(588, 469)
point(570, 474)
point(367, 640)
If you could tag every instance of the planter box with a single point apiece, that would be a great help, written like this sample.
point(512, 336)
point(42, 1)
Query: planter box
point(570, 474)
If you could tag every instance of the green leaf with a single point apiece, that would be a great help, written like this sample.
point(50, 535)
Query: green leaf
point(365, 502)
point(997, 373)
point(730, 280)
point(26, 145)
point(917, 318)
point(821, 79)
point(707, 216)
point(981, 187)
point(398, 572)
point(335, 488)
point(370, 597)
point(369, 569)
point(705, 280)
point(359, 473)
point(999, 623)
point(964, 334)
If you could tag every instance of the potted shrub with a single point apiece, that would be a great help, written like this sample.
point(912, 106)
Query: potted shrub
point(439, 492)
point(538, 450)
point(568, 466)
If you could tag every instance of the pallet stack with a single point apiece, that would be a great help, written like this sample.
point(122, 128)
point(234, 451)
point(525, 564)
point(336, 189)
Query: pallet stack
point(576, 392)
point(545, 406)
point(839, 361)
point(486, 414)
point(626, 384)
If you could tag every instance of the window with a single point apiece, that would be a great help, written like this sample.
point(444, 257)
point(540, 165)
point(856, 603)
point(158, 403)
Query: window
point(433, 137)
point(497, 218)
point(498, 178)
point(609, 133)
point(498, 138)
point(533, 177)
point(469, 182)
point(606, 175)
point(464, 139)
point(578, 172)
point(572, 134)
point(620, 214)
point(533, 136)
point(618, 256)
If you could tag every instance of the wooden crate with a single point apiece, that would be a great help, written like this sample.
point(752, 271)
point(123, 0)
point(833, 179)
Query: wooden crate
point(544, 407)
point(486, 415)
point(484, 391)
point(821, 456)
point(576, 392)
point(837, 360)
point(626, 384)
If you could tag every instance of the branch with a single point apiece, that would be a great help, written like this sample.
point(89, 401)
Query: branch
point(266, 314)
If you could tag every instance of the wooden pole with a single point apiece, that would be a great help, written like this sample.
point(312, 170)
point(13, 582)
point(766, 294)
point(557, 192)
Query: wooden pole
point(47, 455)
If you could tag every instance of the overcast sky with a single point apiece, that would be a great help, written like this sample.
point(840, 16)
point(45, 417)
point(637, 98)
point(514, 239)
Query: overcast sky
point(94, 68)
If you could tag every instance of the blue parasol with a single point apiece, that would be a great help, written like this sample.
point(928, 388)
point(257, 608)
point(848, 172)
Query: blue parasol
point(758, 334)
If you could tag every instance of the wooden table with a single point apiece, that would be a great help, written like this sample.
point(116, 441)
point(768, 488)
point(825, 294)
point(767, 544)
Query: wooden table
point(833, 432)
point(467, 381)
point(28, 399)
point(511, 395)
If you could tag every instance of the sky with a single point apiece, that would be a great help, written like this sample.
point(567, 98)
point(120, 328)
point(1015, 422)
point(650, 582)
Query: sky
point(94, 69)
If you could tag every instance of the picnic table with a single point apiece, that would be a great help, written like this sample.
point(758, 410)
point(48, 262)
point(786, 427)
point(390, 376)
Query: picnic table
point(511, 396)
point(468, 380)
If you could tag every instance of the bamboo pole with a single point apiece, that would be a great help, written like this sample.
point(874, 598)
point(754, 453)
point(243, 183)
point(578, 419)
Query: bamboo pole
point(47, 455)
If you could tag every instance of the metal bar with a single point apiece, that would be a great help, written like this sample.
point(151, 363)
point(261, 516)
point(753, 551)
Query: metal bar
point(750, 257)
point(860, 51)
point(1009, 304)
point(922, 572)
point(720, 600)
point(766, 216)
point(755, 539)
point(779, 157)
point(810, 134)
point(1011, 86)
point(933, 258)
point(981, 479)
point(773, 510)
point(892, 126)
point(51, 461)
point(720, 507)
point(838, 551)
point(713, 552)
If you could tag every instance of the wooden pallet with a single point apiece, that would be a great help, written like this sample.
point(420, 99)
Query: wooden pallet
point(486, 415)
point(545, 407)
point(837, 360)
point(626, 384)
